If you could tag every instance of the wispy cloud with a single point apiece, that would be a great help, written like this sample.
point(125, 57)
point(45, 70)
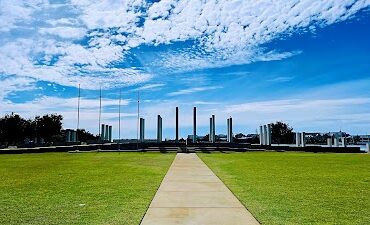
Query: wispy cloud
point(65, 32)
point(281, 79)
point(193, 90)
point(89, 110)
point(205, 103)
point(285, 105)
point(149, 87)
point(196, 59)
point(14, 84)
point(275, 56)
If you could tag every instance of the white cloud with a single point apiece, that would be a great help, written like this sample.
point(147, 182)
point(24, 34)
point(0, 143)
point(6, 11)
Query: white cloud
point(205, 103)
point(223, 33)
point(14, 84)
point(92, 73)
point(63, 21)
point(239, 23)
point(286, 105)
point(193, 90)
point(281, 79)
point(89, 110)
point(65, 32)
point(13, 12)
point(149, 87)
point(54, 104)
point(275, 56)
point(109, 13)
point(194, 58)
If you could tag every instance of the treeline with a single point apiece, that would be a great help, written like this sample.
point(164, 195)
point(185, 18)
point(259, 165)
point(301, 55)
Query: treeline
point(15, 130)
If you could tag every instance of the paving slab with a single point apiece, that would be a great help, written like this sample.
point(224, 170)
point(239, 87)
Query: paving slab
point(192, 178)
point(192, 194)
point(181, 199)
point(199, 216)
point(191, 186)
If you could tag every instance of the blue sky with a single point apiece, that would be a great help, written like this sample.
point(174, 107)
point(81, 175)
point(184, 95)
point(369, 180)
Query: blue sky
point(304, 62)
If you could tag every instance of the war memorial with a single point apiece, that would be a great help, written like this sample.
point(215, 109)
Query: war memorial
point(184, 112)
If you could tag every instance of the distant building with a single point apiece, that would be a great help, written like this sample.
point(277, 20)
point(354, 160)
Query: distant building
point(198, 138)
point(363, 139)
point(221, 137)
point(338, 134)
point(313, 135)
point(249, 138)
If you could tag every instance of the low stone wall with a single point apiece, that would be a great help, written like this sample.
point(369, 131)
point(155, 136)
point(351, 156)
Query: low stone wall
point(310, 149)
point(179, 147)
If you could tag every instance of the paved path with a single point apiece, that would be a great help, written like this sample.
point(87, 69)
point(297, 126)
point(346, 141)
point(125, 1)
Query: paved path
point(192, 194)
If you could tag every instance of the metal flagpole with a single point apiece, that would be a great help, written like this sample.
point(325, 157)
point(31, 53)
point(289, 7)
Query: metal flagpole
point(78, 111)
point(100, 115)
point(119, 116)
point(138, 120)
point(119, 120)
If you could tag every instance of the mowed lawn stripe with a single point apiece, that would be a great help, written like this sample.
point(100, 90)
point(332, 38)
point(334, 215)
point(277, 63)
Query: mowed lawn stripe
point(91, 188)
point(298, 188)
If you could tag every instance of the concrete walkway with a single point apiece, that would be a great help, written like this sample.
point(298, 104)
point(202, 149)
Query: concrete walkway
point(192, 194)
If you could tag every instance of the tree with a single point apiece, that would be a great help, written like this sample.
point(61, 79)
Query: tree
point(29, 129)
point(49, 126)
point(282, 133)
point(205, 138)
point(239, 135)
point(253, 138)
point(84, 135)
point(12, 129)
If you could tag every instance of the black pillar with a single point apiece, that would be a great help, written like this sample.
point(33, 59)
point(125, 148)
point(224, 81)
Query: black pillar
point(159, 129)
point(195, 125)
point(210, 129)
point(213, 129)
point(177, 124)
point(230, 130)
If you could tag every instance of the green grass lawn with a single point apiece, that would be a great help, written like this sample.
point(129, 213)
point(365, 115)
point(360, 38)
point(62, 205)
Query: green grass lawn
point(298, 188)
point(90, 188)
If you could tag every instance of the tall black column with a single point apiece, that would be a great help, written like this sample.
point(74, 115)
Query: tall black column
point(102, 133)
point(177, 124)
point(195, 125)
point(210, 129)
point(159, 129)
point(230, 130)
point(142, 130)
point(213, 129)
